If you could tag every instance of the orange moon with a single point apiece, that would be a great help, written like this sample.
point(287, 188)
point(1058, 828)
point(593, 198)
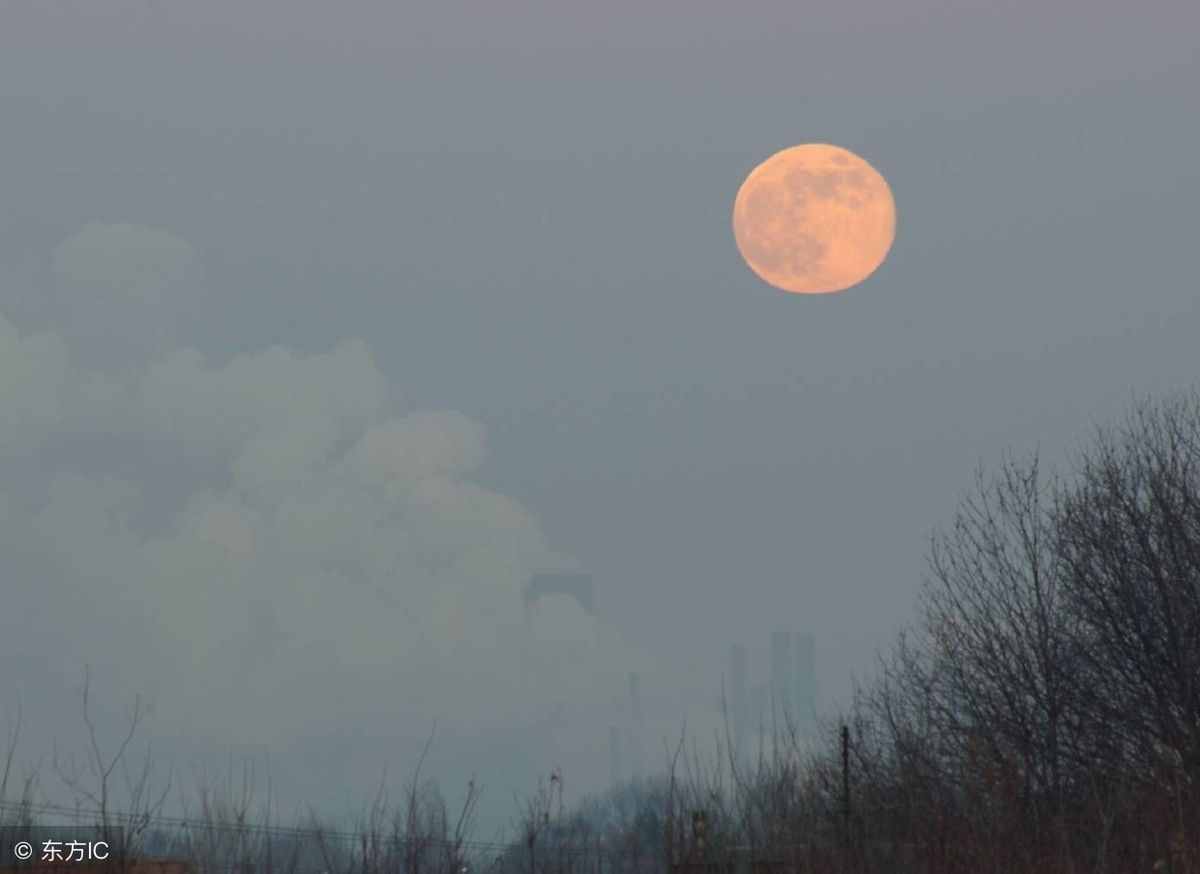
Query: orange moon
point(814, 219)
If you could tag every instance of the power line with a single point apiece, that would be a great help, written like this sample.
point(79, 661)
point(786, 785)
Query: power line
point(187, 824)
point(315, 831)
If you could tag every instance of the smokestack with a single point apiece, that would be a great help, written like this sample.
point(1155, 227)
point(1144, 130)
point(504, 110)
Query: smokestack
point(738, 703)
point(782, 686)
point(634, 747)
point(806, 677)
point(635, 698)
point(614, 756)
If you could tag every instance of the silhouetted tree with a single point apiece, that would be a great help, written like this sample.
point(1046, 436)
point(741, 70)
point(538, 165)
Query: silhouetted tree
point(1130, 543)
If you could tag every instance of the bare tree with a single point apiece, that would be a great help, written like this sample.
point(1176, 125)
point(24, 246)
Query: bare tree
point(432, 842)
point(95, 782)
point(1130, 539)
point(1005, 646)
point(16, 812)
point(542, 811)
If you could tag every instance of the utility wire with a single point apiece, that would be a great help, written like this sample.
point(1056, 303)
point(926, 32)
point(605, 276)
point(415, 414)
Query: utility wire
point(187, 824)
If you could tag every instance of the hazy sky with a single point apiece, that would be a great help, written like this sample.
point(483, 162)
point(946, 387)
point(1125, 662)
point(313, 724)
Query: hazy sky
point(322, 326)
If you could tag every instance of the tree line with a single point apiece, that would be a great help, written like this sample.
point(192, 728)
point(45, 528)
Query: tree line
point(1040, 713)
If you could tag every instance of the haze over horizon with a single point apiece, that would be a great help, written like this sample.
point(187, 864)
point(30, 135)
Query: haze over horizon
point(322, 329)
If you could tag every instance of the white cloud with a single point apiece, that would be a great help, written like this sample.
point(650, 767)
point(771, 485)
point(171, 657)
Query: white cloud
point(420, 445)
point(132, 261)
point(257, 399)
point(336, 565)
point(122, 293)
point(34, 373)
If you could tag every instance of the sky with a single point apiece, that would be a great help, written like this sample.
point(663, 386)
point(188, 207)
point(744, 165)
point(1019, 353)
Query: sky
point(323, 326)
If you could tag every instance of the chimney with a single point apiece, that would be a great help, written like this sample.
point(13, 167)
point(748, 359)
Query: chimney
point(614, 756)
point(634, 747)
point(806, 677)
point(737, 698)
point(782, 685)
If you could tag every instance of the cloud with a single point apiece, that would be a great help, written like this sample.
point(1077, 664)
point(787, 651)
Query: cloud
point(33, 380)
point(420, 445)
point(327, 559)
point(126, 260)
point(276, 415)
point(123, 293)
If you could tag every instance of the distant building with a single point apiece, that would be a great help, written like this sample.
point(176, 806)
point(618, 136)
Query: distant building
point(806, 676)
point(787, 699)
point(783, 690)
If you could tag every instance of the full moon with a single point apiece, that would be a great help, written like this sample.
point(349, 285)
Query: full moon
point(814, 219)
